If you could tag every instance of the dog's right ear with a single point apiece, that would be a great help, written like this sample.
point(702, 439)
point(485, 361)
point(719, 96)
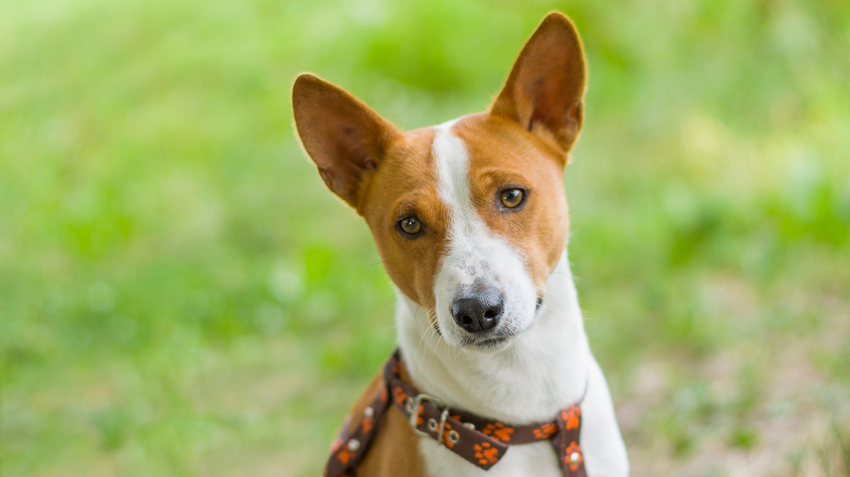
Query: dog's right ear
point(345, 138)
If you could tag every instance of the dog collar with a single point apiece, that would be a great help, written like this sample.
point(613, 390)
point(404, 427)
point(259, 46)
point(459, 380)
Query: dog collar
point(480, 441)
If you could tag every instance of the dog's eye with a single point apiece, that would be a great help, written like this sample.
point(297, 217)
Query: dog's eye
point(512, 198)
point(410, 226)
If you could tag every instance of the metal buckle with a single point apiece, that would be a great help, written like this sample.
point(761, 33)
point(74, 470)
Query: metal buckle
point(413, 408)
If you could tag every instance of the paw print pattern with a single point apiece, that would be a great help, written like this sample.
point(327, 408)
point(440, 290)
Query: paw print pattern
point(499, 431)
point(573, 457)
point(571, 417)
point(345, 456)
point(546, 431)
point(485, 453)
point(400, 396)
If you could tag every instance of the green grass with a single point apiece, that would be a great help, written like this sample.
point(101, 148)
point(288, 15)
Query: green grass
point(180, 295)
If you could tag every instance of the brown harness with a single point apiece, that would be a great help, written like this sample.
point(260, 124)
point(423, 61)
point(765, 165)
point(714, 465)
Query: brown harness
point(480, 441)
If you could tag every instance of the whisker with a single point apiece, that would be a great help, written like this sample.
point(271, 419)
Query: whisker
point(549, 293)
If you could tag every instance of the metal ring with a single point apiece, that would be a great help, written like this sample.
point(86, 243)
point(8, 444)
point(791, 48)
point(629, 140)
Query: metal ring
point(453, 436)
point(432, 424)
point(413, 405)
point(353, 445)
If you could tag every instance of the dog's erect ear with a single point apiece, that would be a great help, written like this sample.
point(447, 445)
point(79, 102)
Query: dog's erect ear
point(544, 92)
point(345, 138)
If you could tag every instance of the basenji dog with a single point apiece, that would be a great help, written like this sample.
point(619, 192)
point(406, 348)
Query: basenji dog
point(470, 219)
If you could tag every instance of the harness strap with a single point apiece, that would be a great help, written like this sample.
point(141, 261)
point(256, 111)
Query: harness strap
point(480, 441)
point(351, 445)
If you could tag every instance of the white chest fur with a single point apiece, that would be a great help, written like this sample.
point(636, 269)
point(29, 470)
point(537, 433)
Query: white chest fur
point(544, 371)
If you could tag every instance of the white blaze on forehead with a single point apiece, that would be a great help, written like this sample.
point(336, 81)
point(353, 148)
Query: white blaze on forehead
point(452, 163)
point(465, 228)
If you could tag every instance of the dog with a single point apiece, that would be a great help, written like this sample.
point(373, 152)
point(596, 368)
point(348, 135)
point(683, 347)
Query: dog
point(471, 222)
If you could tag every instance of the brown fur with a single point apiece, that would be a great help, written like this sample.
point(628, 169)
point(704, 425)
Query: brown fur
point(406, 184)
point(394, 451)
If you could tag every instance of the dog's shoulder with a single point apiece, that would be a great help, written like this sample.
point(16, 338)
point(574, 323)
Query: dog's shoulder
point(394, 450)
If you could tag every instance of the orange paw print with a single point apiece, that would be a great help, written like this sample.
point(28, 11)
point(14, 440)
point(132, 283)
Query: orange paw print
point(485, 453)
point(367, 424)
point(573, 449)
point(345, 456)
point(499, 431)
point(571, 417)
point(546, 431)
point(400, 396)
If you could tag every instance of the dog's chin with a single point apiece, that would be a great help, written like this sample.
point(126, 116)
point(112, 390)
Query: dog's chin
point(490, 344)
point(494, 341)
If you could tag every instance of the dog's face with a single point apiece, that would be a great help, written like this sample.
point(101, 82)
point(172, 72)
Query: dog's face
point(469, 217)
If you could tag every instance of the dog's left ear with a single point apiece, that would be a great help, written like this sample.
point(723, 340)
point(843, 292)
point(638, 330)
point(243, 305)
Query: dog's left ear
point(545, 90)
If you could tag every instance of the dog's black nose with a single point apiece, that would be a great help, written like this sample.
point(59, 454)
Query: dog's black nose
point(479, 311)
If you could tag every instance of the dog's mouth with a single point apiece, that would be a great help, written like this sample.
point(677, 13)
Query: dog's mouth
point(488, 343)
point(492, 343)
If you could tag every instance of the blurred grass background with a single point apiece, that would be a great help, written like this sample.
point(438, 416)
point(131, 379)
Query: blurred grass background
point(180, 295)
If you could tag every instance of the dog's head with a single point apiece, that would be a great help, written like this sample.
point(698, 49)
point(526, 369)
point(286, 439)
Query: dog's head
point(470, 217)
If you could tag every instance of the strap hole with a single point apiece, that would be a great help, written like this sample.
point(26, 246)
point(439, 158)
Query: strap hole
point(432, 425)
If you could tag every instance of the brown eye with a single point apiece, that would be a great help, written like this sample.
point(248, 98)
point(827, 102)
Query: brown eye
point(512, 197)
point(410, 226)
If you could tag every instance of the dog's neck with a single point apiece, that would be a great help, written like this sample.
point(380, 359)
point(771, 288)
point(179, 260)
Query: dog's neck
point(542, 372)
